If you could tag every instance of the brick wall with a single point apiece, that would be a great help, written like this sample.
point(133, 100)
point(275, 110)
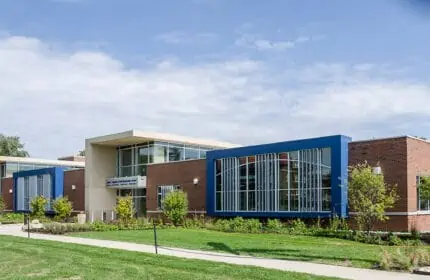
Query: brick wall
point(77, 196)
point(7, 184)
point(391, 154)
point(182, 174)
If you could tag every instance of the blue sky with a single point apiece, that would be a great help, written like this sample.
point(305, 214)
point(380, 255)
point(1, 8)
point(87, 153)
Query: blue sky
point(234, 70)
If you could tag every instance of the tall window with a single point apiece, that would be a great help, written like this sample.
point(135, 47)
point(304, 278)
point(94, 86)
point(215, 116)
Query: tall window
point(26, 193)
point(162, 191)
point(423, 196)
point(295, 181)
point(39, 185)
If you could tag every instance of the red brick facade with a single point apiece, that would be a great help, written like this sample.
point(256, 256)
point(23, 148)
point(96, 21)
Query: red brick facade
point(76, 195)
point(181, 174)
point(401, 160)
point(7, 187)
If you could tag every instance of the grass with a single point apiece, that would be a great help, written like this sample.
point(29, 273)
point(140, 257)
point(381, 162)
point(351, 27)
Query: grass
point(279, 246)
point(23, 258)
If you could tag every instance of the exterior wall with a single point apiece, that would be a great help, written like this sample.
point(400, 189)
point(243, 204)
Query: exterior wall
point(7, 186)
point(76, 196)
point(391, 154)
point(339, 174)
point(401, 160)
point(99, 165)
point(73, 158)
point(178, 173)
point(418, 164)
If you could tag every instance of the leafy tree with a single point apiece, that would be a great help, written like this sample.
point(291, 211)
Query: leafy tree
point(175, 206)
point(124, 209)
point(81, 153)
point(38, 206)
point(12, 147)
point(63, 208)
point(369, 196)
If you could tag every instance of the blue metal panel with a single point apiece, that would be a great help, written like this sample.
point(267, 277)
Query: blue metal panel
point(339, 160)
point(57, 181)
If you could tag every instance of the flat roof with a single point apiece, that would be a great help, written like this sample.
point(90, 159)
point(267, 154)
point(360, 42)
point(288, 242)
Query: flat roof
point(391, 138)
point(41, 161)
point(136, 136)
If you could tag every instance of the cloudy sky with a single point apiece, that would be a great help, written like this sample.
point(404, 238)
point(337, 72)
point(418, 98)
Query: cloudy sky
point(234, 70)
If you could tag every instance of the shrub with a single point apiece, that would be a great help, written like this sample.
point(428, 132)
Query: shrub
point(394, 240)
point(298, 227)
point(195, 222)
point(63, 208)
point(124, 209)
point(61, 228)
point(405, 259)
point(386, 262)
point(274, 225)
point(175, 206)
point(415, 234)
point(2, 204)
point(38, 206)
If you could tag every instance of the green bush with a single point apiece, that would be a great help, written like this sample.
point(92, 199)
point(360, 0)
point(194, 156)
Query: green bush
point(124, 209)
point(2, 204)
point(274, 226)
point(175, 206)
point(394, 240)
point(298, 227)
point(195, 222)
point(62, 208)
point(38, 206)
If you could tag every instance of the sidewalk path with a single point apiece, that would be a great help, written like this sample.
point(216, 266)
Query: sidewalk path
point(296, 266)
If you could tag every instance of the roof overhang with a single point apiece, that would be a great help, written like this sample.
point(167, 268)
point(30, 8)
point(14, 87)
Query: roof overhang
point(25, 160)
point(132, 137)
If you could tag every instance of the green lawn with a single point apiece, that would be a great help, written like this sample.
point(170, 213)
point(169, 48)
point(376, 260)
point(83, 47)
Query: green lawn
point(23, 258)
point(280, 246)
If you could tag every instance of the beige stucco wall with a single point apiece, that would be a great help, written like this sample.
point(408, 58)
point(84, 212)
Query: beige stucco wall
point(100, 164)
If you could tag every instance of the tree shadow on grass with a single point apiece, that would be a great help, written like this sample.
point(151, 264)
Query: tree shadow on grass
point(287, 254)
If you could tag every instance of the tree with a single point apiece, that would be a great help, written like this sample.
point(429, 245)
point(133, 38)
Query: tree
point(124, 209)
point(369, 196)
point(12, 147)
point(63, 208)
point(81, 153)
point(175, 206)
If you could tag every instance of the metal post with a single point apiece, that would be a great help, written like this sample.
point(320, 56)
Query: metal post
point(28, 225)
point(155, 237)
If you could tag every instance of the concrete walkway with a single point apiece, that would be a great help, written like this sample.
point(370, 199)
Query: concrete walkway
point(296, 266)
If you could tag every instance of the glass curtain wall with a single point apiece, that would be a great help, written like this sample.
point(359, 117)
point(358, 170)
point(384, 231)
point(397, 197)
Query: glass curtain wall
point(297, 181)
point(133, 160)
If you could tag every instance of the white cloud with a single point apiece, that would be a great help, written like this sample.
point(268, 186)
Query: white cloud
point(255, 42)
point(55, 99)
point(180, 37)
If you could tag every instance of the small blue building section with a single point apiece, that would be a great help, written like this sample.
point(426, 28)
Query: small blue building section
point(48, 182)
point(303, 178)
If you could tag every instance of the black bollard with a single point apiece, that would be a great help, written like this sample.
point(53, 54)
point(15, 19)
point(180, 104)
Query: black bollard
point(155, 238)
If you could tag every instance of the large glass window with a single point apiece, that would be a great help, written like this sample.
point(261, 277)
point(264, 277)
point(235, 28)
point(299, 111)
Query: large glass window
point(295, 181)
point(133, 160)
